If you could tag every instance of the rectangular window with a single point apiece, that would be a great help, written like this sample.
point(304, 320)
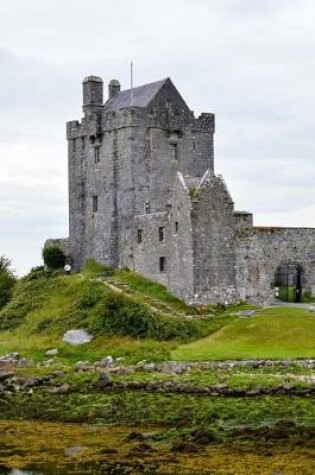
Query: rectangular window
point(96, 155)
point(140, 236)
point(174, 151)
point(162, 264)
point(161, 234)
point(147, 208)
point(176, 226)
point(95, 204)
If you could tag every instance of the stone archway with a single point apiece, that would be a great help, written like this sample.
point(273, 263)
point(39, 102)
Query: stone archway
point(288, 281)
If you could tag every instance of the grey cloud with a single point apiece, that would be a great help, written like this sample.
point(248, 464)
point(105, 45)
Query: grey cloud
point(249, 61)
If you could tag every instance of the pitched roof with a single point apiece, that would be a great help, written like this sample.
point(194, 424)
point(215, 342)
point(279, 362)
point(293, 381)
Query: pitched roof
point(142, 96)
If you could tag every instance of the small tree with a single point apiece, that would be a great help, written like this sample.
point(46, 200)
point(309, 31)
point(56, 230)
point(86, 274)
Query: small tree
point(7, 281)
point(54, 257)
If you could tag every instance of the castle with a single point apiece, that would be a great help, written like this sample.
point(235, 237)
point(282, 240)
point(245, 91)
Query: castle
point(143, 195)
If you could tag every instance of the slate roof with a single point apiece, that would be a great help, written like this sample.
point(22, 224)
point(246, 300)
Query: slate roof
point(142, 96)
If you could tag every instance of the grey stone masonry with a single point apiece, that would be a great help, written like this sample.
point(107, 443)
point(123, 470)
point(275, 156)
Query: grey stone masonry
point(143, 195)
point(261, 251)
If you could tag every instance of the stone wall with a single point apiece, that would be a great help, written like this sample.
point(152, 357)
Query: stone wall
point(148, 252)
point(243, 221)
point(261, 251)
point(213, 241)
point(182, 264)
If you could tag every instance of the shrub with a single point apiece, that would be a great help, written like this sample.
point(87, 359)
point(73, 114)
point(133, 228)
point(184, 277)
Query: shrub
point(93, 267)
point(27, 296)
point(118, 314)
point(7, 281)
point(54, 257)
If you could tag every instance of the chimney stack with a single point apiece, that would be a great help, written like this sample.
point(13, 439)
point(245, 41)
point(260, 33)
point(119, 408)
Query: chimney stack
point(113, 88)
point(92, 94)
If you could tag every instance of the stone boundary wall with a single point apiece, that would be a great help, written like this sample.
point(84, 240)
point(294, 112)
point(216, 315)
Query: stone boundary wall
point(261, 251)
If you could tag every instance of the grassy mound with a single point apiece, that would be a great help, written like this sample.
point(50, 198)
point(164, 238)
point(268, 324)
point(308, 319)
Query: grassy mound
point(273, 333)
point(49, 304)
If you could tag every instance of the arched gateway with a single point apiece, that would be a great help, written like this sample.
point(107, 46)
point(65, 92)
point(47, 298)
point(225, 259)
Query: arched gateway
point(288, 282)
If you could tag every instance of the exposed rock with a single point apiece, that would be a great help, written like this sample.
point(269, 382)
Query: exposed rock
point(82, 366)
point(77, 337)
point(105, 381)
point(4, 376)
point(11, 359)
point(24, 363)
point(149, 367)
point(52, 352)
point(47, 363)
point(120, 370)
point(105, 362)
point(63, 389)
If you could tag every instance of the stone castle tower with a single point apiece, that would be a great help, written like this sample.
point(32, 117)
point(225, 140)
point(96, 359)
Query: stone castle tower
point(143, 195)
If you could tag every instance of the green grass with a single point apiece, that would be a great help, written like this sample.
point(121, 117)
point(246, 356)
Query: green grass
point(178, 413)
point(44, 306)
point(273, 333)
point(152, 289)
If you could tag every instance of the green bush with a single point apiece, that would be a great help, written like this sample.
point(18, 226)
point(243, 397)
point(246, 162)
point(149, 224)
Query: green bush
point(95, 268)
point(7, 281)
point(27, 296)
point(54, 257)
point(118, 314)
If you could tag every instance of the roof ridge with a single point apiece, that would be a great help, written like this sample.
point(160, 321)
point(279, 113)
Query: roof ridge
point(162, 81)
point(139, 96)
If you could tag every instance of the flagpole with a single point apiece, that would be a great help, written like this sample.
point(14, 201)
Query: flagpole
point(131, 81)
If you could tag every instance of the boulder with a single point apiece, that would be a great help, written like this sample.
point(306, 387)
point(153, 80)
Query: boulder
point(24, 363)
point(77, 337)
point(105, 362)
point(82, 366)
point(52, 352)
point(5, 375)
point(63, 389)
point(105, 381)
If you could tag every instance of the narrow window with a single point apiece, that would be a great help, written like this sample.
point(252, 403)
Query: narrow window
point(176, 226)
point(147, 208)
point(194, 144)
point(95, 204)
point(162, 264)
point(140, 236)
point(97, 155)
point(161, 234)
point(174, 151)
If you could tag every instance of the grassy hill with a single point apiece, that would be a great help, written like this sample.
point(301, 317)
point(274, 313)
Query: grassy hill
point(274, 333)
point(135, 318)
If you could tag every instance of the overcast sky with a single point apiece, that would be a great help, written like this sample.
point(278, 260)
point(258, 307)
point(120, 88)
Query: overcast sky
point(251, 62)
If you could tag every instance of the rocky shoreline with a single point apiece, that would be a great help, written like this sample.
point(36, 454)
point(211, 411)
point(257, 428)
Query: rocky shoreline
point(107, 368)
